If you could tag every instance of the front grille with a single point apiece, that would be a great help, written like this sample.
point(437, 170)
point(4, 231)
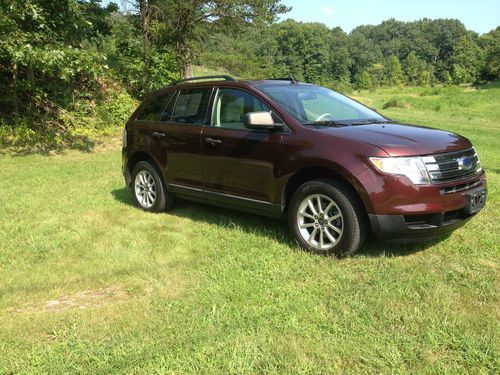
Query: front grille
point(461, 187)
point(448, 167)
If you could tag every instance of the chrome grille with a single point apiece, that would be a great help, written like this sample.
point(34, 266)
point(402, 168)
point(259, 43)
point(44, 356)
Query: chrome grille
point(450, 166)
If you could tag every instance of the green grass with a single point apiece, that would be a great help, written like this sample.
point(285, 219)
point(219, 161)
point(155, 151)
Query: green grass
point(90, 284)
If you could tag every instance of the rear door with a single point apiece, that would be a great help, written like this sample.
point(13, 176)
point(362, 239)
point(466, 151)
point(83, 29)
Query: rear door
point(178, 140)
point(169, 128)
point(241, 165)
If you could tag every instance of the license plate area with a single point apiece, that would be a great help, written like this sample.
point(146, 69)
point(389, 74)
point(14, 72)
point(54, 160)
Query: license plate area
point(475, 200)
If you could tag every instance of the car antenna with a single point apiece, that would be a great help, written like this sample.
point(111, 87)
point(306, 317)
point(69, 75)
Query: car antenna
point(293, 81)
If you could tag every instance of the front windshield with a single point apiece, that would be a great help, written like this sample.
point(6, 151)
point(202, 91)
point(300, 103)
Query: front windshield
point(314, 104)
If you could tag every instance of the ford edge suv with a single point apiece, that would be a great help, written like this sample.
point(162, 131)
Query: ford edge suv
point(335, 168)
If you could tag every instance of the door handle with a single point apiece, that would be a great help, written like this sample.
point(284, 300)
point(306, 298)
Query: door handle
point(158, 134)
point(213, 141)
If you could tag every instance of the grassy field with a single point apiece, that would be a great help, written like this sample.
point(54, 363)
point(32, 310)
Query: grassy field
point(90, 284)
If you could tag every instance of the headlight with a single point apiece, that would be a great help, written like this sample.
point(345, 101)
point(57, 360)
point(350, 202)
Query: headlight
point(413, 168)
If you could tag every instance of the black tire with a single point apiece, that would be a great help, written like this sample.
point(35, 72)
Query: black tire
point(163, 201)
point(352, 222)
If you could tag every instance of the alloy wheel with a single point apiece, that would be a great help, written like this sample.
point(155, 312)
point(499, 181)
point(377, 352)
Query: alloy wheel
point(145, 189)
point(320, 221)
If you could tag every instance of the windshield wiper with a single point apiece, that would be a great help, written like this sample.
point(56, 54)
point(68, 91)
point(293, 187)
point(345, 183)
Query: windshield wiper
point(348, 122)
point(326, 123)
point(370, 121)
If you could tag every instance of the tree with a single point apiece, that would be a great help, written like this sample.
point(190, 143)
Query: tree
point(395, 72)
point(413, 68)
point(188, 21)
point(491, 42)
point(341, 58)
point(364, 81)
point(425, 78)
point(364, 53)
point(306, 49)
point(467, 60)
point(376, 72)
point(51, 50)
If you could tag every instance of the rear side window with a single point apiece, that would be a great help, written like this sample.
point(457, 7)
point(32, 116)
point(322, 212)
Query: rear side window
point(152, 110)
point(168, 111)
point(191, 106)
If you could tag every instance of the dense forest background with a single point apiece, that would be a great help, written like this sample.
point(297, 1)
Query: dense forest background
point(71, 68)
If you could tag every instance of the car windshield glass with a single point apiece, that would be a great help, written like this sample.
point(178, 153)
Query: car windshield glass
point(317, 105)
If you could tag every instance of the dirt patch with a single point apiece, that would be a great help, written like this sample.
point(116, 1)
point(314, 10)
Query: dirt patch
point(470, 89)
point(81, 300)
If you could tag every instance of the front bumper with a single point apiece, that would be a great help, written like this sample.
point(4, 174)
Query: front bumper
point(400, 229)
point(401, 212)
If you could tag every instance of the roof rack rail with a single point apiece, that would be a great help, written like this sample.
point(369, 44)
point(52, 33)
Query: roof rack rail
point(292, 80)
point(225, 77)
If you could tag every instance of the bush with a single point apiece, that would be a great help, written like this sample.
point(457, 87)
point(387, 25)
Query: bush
point(395, 103)
point(58, 128)
point(431, 91)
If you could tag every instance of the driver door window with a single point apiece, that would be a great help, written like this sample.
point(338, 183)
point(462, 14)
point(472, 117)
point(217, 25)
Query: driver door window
point(231, 106)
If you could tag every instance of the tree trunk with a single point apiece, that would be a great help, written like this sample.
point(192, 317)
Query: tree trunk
point(186, 57)
point(15, 98)
point(144, 9)
point(187, 69)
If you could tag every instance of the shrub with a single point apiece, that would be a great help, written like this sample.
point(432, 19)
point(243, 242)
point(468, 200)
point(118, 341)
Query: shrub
point(395, 103)
point(431, 91)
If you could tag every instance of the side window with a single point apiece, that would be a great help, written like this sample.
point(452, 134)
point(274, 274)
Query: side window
point(191, 106)
point(151, 112)
point(168, 111)
point(230, 108)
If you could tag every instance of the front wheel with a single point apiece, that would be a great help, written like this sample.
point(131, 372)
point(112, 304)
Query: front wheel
point(326, 217)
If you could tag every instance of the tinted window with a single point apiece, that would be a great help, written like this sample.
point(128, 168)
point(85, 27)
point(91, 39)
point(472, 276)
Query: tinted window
point(151, 111)
point(230, 108)
point(168, 111)
point(191, 106)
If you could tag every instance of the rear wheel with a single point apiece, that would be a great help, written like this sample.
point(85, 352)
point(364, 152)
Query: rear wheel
point(148, 190)
point(326, 217)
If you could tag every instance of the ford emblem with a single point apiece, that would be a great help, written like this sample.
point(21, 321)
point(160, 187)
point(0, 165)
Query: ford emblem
point(464, 163)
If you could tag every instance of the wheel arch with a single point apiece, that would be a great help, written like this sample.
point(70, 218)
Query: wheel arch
point(135, 158)
point(319, 172)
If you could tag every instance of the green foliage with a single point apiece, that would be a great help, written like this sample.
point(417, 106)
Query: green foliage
point(467, 61)
point(414, 69)
point(88, 117)
point(491, 42)
point(364, 81)
point(55, 56)
point(183, 23)
point(423, 52)
point(394, 103)
point(425, 78)
point(395, 72)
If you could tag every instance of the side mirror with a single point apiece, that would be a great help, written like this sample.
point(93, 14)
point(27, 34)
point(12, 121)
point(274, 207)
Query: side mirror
point(260, 120)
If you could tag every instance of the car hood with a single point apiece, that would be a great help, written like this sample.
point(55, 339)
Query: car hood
point(403, 139)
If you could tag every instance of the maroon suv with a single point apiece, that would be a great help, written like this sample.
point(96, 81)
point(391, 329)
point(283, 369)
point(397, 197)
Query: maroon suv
point(336, 168)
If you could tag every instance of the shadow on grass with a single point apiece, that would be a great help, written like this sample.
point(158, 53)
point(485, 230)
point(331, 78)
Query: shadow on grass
point(274, 228)
point(488, 85)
